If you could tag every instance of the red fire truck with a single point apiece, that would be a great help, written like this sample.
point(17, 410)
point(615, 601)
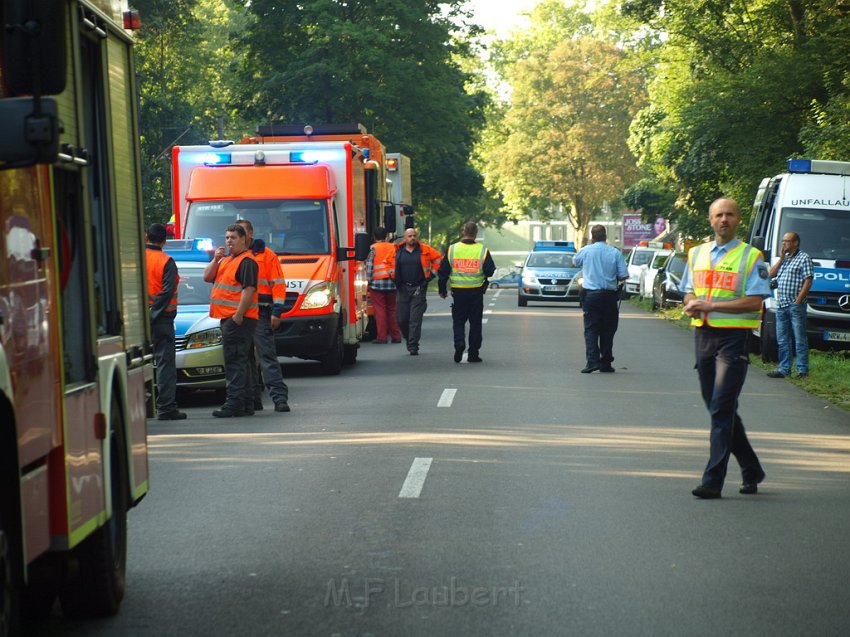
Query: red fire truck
point(76, 373)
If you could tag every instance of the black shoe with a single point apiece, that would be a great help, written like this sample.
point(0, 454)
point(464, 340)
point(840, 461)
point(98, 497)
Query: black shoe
point(751, 488)
point(396, 340)
point(775, 374)
point(706, 493)
point(803, 375)
point(171, 415)
point(459, 353)
point(414, 352)
point(227, 412)
point(474, 358)
point(590, 369)
point(282, 406)
point(258, 404)
point(607, 370)
point(248, 412)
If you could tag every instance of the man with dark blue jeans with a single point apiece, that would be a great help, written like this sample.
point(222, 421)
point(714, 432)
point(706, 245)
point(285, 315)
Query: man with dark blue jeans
point(793, 275)
point(725, 283)
point(602, 268)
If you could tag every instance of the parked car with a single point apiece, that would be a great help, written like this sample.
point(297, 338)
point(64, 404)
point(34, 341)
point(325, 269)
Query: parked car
point(649, 270)
point(200, 357)
point(639, 256)
point(505, 280)
point(666, 288)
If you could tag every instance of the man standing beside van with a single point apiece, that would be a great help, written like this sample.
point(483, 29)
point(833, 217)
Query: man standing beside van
point(380, 267)
point(793, 274)
point(416, 265)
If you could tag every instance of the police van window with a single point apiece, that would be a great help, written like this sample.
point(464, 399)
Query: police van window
point(550, 260)
point(824, 234)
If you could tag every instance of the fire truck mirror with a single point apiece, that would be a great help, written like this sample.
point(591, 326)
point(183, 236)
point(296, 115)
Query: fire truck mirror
point(35, 39)
point(389, 218)
point(28, 137)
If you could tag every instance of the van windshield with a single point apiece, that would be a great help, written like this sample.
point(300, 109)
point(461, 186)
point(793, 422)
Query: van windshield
point(550, 260)
point(824, 234)
point(288, 226)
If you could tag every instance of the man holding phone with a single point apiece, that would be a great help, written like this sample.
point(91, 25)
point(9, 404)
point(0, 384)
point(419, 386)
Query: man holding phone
point(793, 274)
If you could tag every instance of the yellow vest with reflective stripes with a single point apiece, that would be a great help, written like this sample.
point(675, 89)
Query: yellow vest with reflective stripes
point(467, 261)
point(725, 281)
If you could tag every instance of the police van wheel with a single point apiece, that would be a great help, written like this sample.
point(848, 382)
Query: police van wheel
point(767, 340)
point(521, 302)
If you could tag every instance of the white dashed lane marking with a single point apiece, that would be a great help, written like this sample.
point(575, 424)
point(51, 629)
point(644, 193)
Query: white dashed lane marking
point(446, 398)
point(415, 480)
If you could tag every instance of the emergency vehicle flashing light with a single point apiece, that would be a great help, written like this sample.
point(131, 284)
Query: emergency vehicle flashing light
point(554, 246)
point(818, 166)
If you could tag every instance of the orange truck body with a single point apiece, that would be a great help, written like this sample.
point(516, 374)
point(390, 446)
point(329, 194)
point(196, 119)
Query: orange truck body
point(308, 197)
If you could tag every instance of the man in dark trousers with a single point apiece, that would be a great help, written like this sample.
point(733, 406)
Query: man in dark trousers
point(162, 300)
point(466, 267)
point(271, 296)
point(234, 301)
point(725, 284)
point(416, 265)
point(602, 268)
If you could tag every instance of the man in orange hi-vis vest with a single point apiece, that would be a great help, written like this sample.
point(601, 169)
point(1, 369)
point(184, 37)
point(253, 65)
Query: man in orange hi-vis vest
point(234, 301)
point(725, 284)
point(162, 301)
point(380, 268)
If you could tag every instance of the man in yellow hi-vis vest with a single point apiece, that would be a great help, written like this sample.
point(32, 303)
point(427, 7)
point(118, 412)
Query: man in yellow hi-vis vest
point(725, 284)
point(466, 267)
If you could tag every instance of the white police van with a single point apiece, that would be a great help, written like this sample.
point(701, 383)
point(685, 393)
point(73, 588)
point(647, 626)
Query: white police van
point(549, 274)
point(812, 199)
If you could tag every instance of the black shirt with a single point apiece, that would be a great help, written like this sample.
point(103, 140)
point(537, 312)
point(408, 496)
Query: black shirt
point(408, 267)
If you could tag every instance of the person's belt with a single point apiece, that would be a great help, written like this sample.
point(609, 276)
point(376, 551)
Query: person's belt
point(600, 291)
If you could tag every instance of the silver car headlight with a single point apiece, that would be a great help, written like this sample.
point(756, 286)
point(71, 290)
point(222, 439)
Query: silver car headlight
point(529, 279)
point(207, 338)
point(318, 296)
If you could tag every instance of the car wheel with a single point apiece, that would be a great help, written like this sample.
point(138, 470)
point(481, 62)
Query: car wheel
point(494, 286)
point(521, 302)
point(655, 304)
point(769, 346)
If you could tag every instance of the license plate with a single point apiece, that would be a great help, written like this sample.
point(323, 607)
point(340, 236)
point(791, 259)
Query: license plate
point(844, 337)
point(555, 288)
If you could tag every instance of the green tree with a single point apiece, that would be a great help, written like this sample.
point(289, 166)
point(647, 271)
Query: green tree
point(562, 149)
point(396, 66)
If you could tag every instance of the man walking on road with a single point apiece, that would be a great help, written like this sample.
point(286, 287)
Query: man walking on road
point(602, 268)
point(794, 274)
point(725, 284)
point(271, 296)
point(416, 265)
point(162, 300)
point(234, 301)
point(466, 268)
point(380, 266)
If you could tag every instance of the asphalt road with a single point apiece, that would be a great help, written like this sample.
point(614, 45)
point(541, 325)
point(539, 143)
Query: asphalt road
point(416, 496)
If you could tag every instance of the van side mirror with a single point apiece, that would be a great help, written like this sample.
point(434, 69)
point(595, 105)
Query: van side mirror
point(758, 243)
point(389, 218)
point(28, 137)
point(362, 245)
point(34, 39)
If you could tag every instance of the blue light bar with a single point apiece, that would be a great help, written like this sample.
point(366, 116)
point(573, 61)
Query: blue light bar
point(799, 165)
point(554, 246)
point(313, 156)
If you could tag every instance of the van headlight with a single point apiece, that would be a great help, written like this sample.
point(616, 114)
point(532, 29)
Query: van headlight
point(529, 279)
point(319, 296)
point(207, 338)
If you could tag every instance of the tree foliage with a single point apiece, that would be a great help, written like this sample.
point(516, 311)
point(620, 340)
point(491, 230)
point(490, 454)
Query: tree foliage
point(561, 147)
point(740, 86)
point(396, 66)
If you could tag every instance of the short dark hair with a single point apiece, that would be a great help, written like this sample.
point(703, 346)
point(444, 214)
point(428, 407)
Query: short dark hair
point(470, 229)
point(235, 227)
point(247, 224)
point(380, 233)
point(597, 233)
point(156, 233)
